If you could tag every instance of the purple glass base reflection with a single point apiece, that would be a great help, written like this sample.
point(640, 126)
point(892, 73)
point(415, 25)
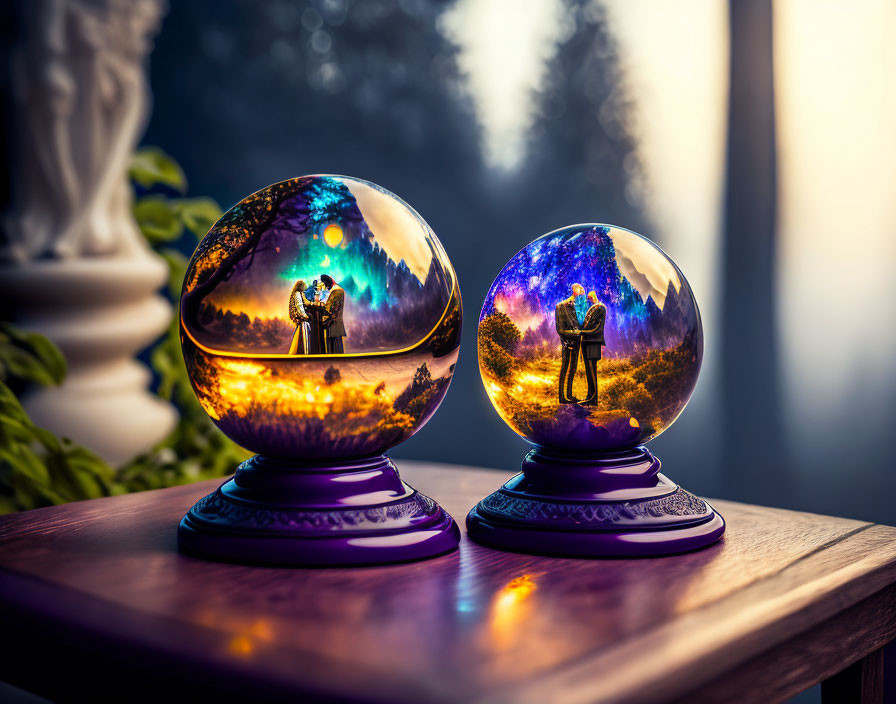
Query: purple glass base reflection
point(280, 512)
point(613, 505)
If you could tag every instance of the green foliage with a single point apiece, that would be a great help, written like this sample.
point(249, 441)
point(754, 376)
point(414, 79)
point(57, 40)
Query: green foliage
point(164, 219)
point(37, 468)
point(29, 357)
point(196, 449)
point(498, 339)
point(150, 166)
point(198, 214)
point(617, 389)
point(501, 330)
point(158, 219)
point(495, 358)
point(161, 217)
point(638, 401)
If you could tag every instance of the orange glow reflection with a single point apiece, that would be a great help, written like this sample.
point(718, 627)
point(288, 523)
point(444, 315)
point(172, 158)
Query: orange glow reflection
point(246, 637)
point(240, 646)
point(510, 608)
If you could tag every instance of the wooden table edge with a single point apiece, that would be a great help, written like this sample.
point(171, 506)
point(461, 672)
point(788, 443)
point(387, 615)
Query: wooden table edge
point(807, 659)
point(634, 671)
point(697, 664)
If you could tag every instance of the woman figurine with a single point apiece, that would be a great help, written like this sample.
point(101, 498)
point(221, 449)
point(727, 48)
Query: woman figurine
point(299, 316)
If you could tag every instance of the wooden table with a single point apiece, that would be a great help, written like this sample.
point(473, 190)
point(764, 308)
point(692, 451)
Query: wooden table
point(97, 602)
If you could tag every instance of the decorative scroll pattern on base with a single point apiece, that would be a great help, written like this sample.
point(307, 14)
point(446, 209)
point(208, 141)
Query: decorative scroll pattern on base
point(678, 507)
point(218, 511)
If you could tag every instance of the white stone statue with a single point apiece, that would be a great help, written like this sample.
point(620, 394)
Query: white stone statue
point(80, 102)
point(75, 266)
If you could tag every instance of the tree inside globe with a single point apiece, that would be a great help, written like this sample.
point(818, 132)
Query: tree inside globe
point(590, 340)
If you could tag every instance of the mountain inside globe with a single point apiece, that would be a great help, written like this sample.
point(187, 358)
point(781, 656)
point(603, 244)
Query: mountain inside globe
point(590, 340)
point(319, 265)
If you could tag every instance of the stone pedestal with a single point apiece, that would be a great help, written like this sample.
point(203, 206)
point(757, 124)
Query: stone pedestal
point(100, 311)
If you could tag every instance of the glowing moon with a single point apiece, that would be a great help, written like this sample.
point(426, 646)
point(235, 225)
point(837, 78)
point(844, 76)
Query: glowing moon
point(333, 235)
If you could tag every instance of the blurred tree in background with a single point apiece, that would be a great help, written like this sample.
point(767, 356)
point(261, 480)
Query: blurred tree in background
point(581, 162)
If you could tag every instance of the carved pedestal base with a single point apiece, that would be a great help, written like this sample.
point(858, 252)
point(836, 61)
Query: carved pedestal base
point(279, 512)
point(615, 505)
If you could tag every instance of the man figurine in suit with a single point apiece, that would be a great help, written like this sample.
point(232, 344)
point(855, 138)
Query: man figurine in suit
point(592, 340)
point(333, 315)
point(569, 330)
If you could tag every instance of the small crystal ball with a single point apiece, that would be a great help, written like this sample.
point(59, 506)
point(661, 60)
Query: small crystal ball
point(320, 318)
point(590, 340)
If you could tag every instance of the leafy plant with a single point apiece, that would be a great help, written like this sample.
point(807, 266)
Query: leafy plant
point(171, 222)
point(501, 330)
point(36, 467)
point(151, 167)
point(29, 357)
point(498, 338)
point(160, 208)
point(196, 449)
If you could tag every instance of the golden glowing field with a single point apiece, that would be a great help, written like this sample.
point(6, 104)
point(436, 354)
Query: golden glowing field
point(318, 408)
point(637, 398)
point(245, 387)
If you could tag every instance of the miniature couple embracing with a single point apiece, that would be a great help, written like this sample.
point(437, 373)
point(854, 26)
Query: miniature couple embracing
point(580, 324)
point(317, 314)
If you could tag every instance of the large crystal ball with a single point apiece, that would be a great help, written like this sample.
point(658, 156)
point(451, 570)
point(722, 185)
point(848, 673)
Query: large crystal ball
point(320, 318)
point(590, 340)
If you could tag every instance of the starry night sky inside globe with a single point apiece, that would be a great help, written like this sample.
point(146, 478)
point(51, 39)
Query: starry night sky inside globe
point(649, 353)
point(395, 274)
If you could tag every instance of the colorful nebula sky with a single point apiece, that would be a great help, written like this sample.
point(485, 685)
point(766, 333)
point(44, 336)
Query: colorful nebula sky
point(611, 261)
point(293, 249)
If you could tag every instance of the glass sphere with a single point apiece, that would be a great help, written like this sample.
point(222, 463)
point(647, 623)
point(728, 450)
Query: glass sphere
point(320, 318)
point(590, 340)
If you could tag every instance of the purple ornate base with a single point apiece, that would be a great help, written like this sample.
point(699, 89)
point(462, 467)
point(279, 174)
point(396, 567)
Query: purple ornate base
point(613, 505)
point(279, 512)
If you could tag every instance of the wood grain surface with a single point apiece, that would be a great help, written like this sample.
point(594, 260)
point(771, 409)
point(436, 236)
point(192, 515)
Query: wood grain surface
point(787, 596)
